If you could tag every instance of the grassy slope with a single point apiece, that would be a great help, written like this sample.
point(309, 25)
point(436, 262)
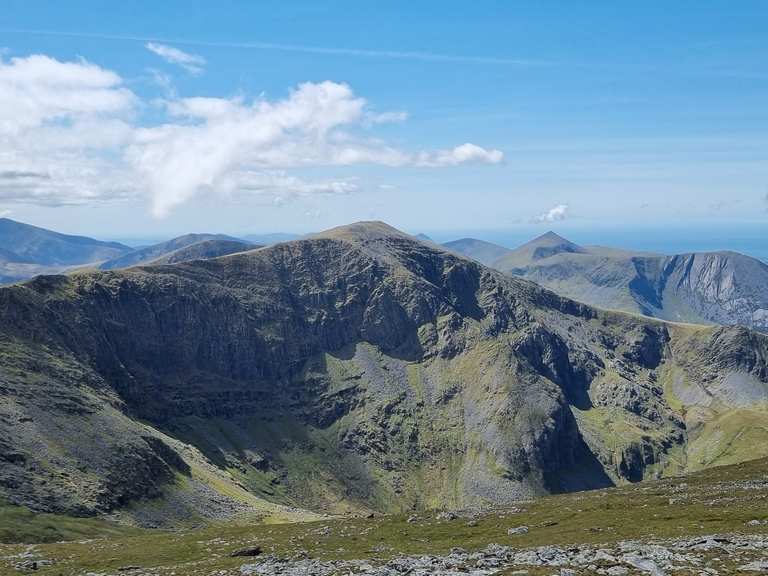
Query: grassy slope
point(19, 524)
point(718, 500)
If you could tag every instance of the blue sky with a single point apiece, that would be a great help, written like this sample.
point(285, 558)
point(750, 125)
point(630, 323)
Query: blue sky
point(577, 115)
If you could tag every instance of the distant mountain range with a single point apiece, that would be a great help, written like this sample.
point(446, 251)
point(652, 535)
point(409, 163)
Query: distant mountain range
point(709, 287)
point(27, 251)
point(40, 246)
point(181, 249)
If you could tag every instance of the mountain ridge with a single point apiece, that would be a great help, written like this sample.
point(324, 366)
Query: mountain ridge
point(29, 250)
point(720, 287)
point(148, 254)
point(401, 375)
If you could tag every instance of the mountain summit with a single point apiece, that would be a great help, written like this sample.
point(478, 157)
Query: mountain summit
point(544, 246)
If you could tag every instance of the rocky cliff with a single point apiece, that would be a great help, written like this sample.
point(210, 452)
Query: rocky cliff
point(711, 287)
point(357, 369)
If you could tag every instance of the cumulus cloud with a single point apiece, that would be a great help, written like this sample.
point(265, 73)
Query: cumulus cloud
point(192, 63)
point(62, 126)
point(466, 153)
point(38, 89)
point(554, 214)
point(69, 135)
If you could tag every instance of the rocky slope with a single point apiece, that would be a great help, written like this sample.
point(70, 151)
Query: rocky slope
point(356, 369)
point(711, 287)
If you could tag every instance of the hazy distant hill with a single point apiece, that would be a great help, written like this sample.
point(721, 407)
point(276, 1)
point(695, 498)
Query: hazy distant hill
point(156, 252)
point(204, 250)
point(484, 252)
point(708, 287)
point(26, 251)
point(40, 246)
point(271, 238)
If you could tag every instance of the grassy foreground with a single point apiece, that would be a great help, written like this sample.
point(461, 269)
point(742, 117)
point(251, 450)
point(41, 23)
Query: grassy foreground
point(717, 500)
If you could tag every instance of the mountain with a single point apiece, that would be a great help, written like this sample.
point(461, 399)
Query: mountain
point(28, 251)
point(711, 287)
point(273, 238)
point(484, 252)
point(162, 252)
point(9, 257)
point(354, 370)
point(44, 247)
point(204, 250)
point(544, 246)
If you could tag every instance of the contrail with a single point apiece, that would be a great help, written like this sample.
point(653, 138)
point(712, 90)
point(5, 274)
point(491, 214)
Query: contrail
point(392, 54)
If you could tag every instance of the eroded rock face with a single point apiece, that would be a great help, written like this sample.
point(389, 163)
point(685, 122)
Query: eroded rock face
point(724, 288)
point(399, 373)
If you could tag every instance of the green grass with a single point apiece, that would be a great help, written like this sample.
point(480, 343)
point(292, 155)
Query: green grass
point(729, 438)
point(18, 524)
point(713, 501)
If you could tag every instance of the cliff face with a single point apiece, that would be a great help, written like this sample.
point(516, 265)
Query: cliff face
point(720, 287)
point(356, 369)
point(711, 287)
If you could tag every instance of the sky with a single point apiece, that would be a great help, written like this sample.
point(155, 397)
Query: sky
point(141, 119)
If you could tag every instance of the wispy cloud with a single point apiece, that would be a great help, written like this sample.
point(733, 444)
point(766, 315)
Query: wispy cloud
point(23, 175)
point(555, 214)
point(192, 63)
point(423, 56)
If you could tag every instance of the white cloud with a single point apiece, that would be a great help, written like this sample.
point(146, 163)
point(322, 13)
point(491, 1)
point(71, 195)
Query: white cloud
point(192, 63)
point(69, 135)
point(555, 214)
point(464, 154)
point(5, 213)
point(282, 186)
point(38, 89)
point(311, 127)
point(63, 126)
point(372, 118)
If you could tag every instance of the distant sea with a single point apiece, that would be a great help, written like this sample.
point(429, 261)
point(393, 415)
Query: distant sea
point(750, 239)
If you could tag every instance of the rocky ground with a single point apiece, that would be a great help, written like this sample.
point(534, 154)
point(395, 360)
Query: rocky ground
point(703, 555)
point(708, 555)
point(711, 523)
